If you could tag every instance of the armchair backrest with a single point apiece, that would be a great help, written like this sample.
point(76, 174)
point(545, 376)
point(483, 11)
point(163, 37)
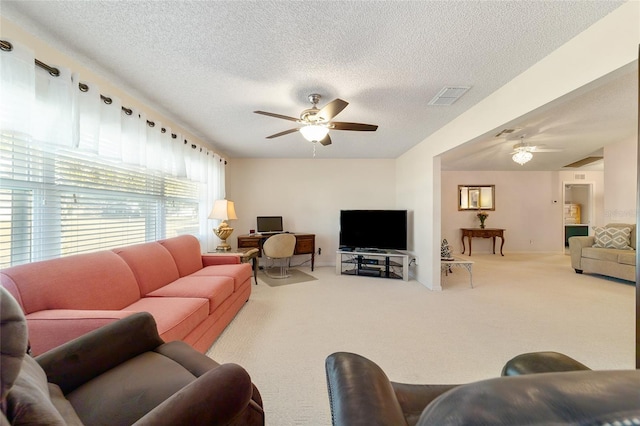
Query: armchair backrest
point(279, 246)
point(13, 341)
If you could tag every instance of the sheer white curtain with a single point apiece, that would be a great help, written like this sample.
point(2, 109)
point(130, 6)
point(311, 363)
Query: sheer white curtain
point(55, 114)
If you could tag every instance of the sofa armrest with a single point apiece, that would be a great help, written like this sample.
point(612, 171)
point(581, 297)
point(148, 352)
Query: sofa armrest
point(80, 360)
point(576, 244)
point(360, 393)
point(212, 260)
point(220, 396)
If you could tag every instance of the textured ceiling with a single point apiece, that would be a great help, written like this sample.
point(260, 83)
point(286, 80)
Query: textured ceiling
point(209, 64)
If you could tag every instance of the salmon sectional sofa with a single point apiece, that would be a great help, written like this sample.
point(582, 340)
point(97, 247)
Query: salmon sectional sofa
point(192, 296)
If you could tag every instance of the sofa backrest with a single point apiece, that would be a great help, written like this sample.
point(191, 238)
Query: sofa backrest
point(151, 263)
point(632, 242)
point(186, 252)
point(100, 280)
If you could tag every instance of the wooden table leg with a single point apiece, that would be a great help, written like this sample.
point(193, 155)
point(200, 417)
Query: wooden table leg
point(494, 244)
point(501, 245)
point(463, 248)
point(255, 269)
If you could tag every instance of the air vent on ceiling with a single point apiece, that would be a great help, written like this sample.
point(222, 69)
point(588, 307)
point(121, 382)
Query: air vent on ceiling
point(448, 95)
point(505, 132)
point(579, 176)
point(584, 162)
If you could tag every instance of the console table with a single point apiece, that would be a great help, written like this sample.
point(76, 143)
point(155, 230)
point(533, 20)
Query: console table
point(482, 233)
point(305, 244)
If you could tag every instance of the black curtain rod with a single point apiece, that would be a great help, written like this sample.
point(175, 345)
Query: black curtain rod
point(55, 72)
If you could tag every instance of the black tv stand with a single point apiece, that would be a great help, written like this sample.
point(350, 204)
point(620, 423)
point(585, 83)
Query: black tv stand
point(373, 263)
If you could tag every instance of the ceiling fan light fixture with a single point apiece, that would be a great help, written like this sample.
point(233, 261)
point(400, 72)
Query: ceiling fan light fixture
point(314, 132)
point(522, 156)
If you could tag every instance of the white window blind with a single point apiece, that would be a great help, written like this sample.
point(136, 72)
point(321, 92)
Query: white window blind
point(57, 203)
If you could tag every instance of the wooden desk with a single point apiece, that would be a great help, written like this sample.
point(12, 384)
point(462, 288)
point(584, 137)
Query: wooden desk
point(482, 233)
point(305, 244)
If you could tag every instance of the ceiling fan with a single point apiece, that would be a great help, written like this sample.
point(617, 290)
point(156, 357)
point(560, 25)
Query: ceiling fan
point(523, 151)
point(315, 123)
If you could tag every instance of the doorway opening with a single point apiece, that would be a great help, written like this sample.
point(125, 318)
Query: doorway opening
point(578, 211)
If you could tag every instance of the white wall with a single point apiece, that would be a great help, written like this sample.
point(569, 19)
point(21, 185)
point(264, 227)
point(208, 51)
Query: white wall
point(308, 194)
point(528, 207)
point(608, 45)
point(620, 162)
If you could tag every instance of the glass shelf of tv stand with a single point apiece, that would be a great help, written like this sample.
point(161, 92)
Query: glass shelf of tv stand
point(373, 263)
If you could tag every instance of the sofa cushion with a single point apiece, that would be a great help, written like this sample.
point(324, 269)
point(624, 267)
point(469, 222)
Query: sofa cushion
point(100, 280)
point(627, 258)
point(186, 252)
point(151, 263)
point(604, 254)
point(612, 237)
point(175, 317)
point(239, 272)
point(125, 393)
point(215, 289)
point(28, 401)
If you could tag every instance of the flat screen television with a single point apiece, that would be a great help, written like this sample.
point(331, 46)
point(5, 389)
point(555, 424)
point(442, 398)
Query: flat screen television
point(373, 229)
point(269, 224)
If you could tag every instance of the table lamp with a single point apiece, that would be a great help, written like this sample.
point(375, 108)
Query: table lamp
point(223, 210)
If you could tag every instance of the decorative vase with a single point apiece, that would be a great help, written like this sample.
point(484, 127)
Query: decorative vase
point(481, 225)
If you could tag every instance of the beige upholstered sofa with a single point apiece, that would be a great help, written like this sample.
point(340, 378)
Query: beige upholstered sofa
point(605, 253)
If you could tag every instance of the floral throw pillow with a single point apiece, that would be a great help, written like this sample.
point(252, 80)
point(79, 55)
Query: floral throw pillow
point(616, 238)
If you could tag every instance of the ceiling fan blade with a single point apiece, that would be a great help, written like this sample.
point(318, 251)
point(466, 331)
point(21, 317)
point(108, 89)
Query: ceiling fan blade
point(326, 141)
point(539, 149)
point(332, 109)
point(339, 125)
point(271, 114)
point(286, 132)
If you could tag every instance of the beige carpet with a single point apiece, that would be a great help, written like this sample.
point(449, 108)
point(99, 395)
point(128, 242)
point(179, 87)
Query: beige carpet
point(296, 277)
point(519, 303)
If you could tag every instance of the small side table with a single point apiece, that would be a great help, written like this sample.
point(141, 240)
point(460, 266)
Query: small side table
point(245, 254)
point(460, 263)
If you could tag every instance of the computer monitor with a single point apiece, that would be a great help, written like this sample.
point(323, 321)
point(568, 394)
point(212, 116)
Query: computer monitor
point(269, 224)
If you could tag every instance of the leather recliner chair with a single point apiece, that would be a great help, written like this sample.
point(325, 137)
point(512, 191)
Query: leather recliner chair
point(120, 374)
point(562, 391)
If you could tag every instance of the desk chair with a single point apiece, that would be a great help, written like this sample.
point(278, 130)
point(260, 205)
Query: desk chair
point(279, 248)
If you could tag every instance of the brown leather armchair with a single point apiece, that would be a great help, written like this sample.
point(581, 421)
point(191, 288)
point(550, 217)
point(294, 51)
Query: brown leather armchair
point(562, 391)
point(120, 374)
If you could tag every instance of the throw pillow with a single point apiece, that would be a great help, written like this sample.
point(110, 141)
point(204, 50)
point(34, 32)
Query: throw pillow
point(616, 238)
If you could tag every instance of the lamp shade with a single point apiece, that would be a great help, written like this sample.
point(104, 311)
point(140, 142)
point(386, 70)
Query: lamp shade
point(314, 132)
point(224, 210)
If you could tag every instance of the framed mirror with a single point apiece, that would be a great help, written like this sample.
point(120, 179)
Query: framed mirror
point(476, 197)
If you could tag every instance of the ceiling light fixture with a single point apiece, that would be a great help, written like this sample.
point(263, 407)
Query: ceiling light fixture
point(522, 156)
point(314, 132)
